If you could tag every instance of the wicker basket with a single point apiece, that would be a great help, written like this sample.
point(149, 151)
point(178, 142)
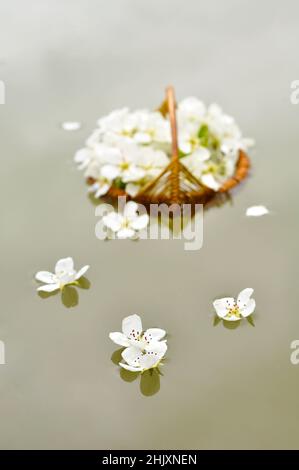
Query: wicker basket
point(176, 184)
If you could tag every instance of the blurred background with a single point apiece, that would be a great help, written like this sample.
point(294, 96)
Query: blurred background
point(76, 61)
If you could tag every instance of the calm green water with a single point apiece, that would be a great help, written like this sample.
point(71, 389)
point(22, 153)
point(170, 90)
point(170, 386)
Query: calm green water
point(221, 388)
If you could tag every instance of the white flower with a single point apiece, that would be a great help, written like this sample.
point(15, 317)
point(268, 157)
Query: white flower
point(230, 309)
point(195, 161)
point(190, 109)
point(221, 125)
point(83, 158)
point(123, 164)
point(64, 274)
point(151, 127)
point(144, 349)
point(188, 139)
point(214, 174)
point(256, 211)
point(100, 187)
point(211, 173)
point(139, 361)
point(93, 156)
point(230, 147)
point(118, 123)
point(151, 161)
point(127, 224)
point(142, 127)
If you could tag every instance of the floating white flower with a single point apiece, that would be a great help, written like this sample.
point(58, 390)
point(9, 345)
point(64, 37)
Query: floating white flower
point(144, 349)
point(139, 361)
point(230, 309)
point(64, 274)
point(256, 211)
point(127, 224)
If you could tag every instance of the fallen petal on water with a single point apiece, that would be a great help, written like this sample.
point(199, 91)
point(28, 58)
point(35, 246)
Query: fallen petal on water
point(256, 211)
point(71, 125)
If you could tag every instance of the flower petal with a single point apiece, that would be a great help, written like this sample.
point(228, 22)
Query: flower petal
point(244, 296)
point(232, 318)
point(130, 209)
point(132, 174)
point(132, 324)
point(93, 188)
point(222, 305)
point(248, 309)
point(102, 190)
point(142, 138)
point(132, 189)
point(110, 172)
point(153, 356)
point(81, 272)
point(130, 368)
point(140, 222)
point(201, 154)
point(154, 334)
point(64, 264)
point(45, 276)
point(256, 211)
point(209, 181)
point(132, 355)
point(48, 288)
point(125, 233)
point(119, 338)
point(113, 221)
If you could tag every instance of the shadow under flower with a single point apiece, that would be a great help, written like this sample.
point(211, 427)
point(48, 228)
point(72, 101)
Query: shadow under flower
point(149, 379)
point(232, 325)
point(69, 294)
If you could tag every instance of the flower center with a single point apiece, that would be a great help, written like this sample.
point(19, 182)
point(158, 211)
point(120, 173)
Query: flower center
point(194, 142)
point(233, 312)
point(124, 165)
point(128, 133)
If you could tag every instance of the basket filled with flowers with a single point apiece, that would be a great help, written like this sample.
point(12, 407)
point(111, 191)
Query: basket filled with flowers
point(180, 153)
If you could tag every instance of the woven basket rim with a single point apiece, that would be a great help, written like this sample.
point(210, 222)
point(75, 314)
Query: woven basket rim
point(241, 172)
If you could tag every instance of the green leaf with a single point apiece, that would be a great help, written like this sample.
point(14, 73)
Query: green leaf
point(203, 131)
point(217, 320)
point(118, 183)
point(250, 320)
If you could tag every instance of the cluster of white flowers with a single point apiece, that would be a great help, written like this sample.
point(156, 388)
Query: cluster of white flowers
point(143, 349)
point(209, 142)
point(128, 149)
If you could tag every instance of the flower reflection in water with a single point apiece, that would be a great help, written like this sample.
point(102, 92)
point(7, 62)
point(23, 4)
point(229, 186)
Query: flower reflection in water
point(69, 294)
point(149, 379)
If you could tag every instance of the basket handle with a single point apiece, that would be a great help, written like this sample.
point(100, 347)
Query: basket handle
point(175, 184)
